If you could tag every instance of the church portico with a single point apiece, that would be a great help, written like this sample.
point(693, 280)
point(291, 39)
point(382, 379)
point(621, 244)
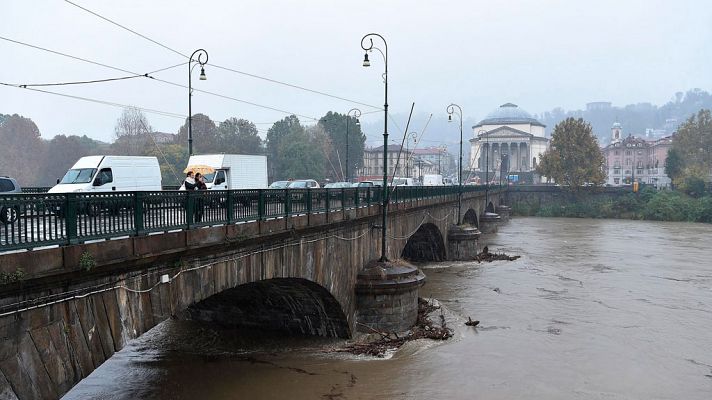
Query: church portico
point(507, 141)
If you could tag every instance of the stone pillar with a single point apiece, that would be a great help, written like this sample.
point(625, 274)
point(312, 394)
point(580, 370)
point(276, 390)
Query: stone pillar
point(504, 212)
point(387, 297)
point(489, 222)
point(462, 242)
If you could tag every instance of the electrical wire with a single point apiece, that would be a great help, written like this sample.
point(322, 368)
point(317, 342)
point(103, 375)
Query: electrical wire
point(83, 82)
point(159, 79)
point(104, 102)
point(251, 75)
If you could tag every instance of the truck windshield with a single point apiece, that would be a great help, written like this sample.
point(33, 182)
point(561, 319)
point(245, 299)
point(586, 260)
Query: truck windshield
point(209, 177)
point(82, 175)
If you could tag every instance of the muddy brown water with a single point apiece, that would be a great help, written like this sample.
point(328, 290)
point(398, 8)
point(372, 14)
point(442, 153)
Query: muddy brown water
point(594, 309)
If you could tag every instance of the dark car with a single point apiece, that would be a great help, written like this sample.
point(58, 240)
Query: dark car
point(8, 214)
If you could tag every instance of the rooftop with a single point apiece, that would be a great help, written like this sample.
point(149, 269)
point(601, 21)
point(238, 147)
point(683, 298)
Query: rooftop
point(508, 113)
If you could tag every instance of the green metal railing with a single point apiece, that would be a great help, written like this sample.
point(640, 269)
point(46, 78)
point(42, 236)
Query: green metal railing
point(32, 220)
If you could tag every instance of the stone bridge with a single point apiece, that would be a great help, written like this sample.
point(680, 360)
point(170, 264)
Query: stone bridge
point(76, 305)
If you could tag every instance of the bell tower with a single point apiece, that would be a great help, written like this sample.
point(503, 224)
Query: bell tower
point(616, 133)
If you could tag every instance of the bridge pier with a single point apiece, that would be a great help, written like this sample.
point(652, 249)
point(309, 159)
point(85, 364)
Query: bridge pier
point(387, 298)
point(462, 242)
point(489, 222)
point(504, 211)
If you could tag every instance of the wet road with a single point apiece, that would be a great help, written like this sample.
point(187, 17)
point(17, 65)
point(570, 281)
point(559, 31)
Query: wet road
point(594, 309)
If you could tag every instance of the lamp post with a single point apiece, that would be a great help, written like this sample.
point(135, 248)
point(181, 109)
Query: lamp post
point(368, 46)
point(451, 110)
point(357, 113)
point(191, 64)
point(480, 133)
point(414, 136)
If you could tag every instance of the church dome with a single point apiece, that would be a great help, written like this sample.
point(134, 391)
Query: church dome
point(509, 114)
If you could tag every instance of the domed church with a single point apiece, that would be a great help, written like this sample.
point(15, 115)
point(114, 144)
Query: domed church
point(509, 141)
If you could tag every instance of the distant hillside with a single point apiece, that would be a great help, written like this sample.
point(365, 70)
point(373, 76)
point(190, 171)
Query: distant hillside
point(637, 119)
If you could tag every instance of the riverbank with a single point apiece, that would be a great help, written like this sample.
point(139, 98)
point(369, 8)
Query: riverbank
point(647, 204)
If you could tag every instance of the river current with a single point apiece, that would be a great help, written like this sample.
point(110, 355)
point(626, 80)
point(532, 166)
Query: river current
point(594, 309)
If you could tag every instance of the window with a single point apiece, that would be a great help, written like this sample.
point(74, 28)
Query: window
point(83, 175)
point(616, 152)
point(220, 178)
point(6, 185)
point(627, 161)
point(105, 176)
point(617, 180)
point(627, 152)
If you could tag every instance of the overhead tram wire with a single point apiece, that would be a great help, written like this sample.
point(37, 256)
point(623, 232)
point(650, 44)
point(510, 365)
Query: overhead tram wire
point(275, 81)
point(104, 102)
point(159, 79)
point(83, 82)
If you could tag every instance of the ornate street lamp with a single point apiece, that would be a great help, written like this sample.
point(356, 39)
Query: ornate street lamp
point(368, 46)
point(191, 64)
point(451, 110)
point(357, 113)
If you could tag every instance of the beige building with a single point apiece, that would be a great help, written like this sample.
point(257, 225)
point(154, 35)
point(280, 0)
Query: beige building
point(510, 134)
point(634, 159)
point(400, 162)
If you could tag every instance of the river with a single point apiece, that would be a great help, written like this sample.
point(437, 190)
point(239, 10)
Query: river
point(594, 309)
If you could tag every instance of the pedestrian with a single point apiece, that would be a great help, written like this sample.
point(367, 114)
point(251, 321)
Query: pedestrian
point(199, 202)
point(189, 182)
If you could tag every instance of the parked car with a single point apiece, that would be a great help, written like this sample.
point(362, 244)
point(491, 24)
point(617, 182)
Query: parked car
point(337, 185)
point(364, 184)
point(304, 184)
point(279, 185)
point(8, 214)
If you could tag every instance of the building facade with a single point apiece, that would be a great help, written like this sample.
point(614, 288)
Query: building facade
point(400, 162)
point(632, 159)
point(508, 139)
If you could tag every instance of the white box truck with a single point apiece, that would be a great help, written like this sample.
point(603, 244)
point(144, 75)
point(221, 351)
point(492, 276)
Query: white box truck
point(432, 180)
point(232, 171)
point(111, 173)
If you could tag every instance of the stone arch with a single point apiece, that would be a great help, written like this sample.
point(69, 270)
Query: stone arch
point(470, 218)
point(426, 244)
point(490, 207)
point(292, 305)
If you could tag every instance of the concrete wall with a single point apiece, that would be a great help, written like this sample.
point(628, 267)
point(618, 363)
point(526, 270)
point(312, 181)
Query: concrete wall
point(45, 351)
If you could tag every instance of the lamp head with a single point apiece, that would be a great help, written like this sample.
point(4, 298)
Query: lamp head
point(202, 74)
point(366, 63)
point(358, 122)
point(449, 118)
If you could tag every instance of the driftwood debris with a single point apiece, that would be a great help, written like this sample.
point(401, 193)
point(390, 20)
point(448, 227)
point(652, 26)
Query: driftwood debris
point(486, 256)
point(424, 328)
point(470, 322)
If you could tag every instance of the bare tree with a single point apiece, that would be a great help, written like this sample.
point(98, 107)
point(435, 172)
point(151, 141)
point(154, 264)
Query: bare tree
point(131, 132)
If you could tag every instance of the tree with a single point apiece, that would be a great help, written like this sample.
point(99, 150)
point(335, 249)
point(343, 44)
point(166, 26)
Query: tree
point(334, 125)
point(239, 136)
point(21, 149)
point(574, 157)
point(205, 135)
point(131, 132)
point(289, 126)
point(173, 158)
point(674, 163)
point(61, 153)
point(300, 156)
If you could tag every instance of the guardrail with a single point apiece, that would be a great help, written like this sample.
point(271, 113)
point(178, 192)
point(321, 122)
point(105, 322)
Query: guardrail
point(36, 220)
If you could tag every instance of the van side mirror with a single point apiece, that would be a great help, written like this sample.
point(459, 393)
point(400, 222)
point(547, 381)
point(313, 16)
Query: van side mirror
point(57, 181)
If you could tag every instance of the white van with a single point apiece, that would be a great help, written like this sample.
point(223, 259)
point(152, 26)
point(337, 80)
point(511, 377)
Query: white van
point(111, 173)
point(432, 180)
point(397, 181)
point(232, 171)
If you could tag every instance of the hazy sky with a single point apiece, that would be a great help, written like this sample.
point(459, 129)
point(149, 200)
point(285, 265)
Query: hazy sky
point(480, 54)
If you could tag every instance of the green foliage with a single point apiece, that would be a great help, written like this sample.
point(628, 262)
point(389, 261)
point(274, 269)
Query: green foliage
point(691, 153)
point(172, 158)
point(239, 136)
point(300, 156)
point(206, 138)
point(86, 261)
point(12, 277)
point(335, 125)
point(20, 146)
point(574, 157)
